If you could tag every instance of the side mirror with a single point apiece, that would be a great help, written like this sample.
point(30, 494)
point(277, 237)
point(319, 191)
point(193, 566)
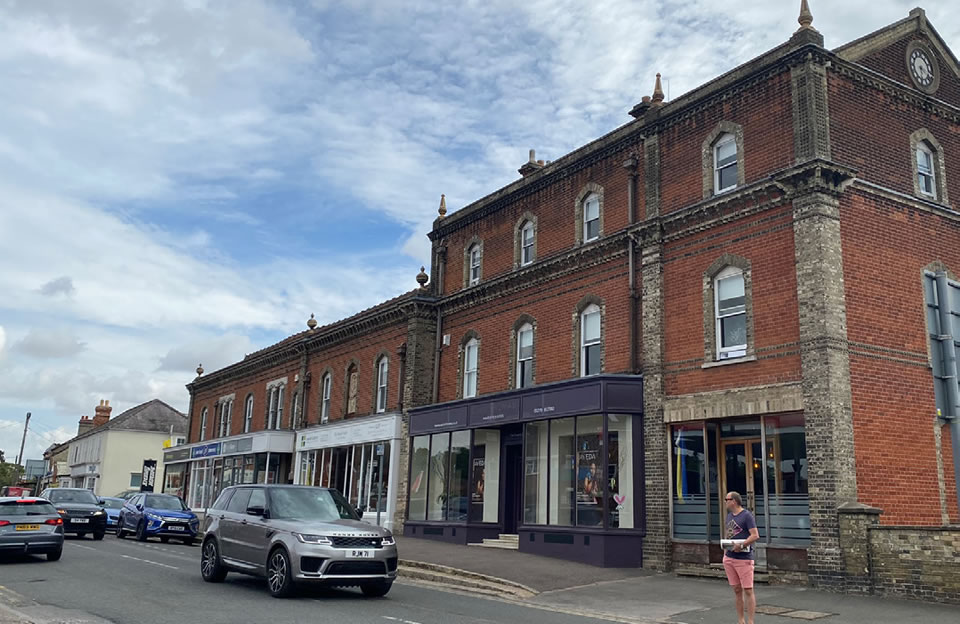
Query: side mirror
point(100, 501)
point(139, 507)
point(257, 511)
point(359, 511)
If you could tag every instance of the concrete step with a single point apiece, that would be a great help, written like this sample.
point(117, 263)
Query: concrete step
point(508, 537)
point(496, 543)
point(464, 580)
point(716, 571)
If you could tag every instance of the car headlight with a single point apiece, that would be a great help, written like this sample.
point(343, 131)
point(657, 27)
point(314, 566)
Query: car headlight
point(99, 513)
point(314, 539)
point(388, 541)
point(62, 512)
point(155, 517)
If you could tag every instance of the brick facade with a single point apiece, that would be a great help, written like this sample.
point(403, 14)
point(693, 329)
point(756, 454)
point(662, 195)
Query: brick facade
point(825, 224)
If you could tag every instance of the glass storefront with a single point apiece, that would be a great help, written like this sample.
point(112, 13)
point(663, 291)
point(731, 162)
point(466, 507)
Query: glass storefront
point(353, 470)
point(485, 476)
point(764, 459)
point(200, 482)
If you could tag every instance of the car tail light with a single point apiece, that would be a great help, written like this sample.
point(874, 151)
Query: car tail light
point(4, 523)
point(54, 521)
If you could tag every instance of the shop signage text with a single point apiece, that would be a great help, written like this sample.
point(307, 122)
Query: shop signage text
point(207, 450)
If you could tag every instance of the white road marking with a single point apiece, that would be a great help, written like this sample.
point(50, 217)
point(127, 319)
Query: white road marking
point(84, 547)
point(163, 565)
point(393, 619)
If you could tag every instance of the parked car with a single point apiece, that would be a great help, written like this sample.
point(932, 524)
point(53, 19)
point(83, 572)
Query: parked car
point(82, 512)
point(295, 534)
point(31, 526)
point(157, 515)
point(112, 505)
point(127, 494)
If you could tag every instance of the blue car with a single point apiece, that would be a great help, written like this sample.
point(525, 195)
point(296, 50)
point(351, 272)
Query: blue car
point(112, 505)
point(158, 515)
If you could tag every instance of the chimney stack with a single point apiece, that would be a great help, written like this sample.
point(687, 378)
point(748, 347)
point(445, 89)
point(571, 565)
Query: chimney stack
point(85, 425)
point(102, 413)
point(532, 165)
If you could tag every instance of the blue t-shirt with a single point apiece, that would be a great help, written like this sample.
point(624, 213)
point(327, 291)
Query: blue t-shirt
point(738, 528)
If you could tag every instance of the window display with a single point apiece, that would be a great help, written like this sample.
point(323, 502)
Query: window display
point(485, 476)
point(437, 484)
point(535, 473)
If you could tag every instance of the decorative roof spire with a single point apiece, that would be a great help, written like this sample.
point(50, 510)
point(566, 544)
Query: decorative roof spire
point(312, 323)
point(806, 16)
point(199, 369)
point(658, 91)
point(422, 277)
point(443, 205)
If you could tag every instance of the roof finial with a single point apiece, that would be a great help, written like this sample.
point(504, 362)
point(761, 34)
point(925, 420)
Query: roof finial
point(199, 369)
point(312, 323)
point(658, 91)
point(422, 277)
point(443, 205)
point(806, 17)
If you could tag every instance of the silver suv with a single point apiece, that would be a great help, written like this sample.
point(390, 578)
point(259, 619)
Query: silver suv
point(294, 534)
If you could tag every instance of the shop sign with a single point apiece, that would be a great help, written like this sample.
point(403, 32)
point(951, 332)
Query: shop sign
point(177, 455)
point(232, 447)
point(492, 413)
point(440, 420)
point(207, 450)
point(562, 402)
point(327, 436)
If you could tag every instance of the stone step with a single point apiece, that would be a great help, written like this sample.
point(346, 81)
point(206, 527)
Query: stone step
point(496, 543)
point(508, 537)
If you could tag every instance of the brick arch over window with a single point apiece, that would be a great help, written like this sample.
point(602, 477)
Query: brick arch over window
point(323, 375)
point(925, 138)
point(475, 241)
point(383, 355)
point(527, 217)
point(351, 388)
point(582, 305)
point(724, 262)
point(467, 337)
point(590, 188)
point(524, 319)
point(724, 127)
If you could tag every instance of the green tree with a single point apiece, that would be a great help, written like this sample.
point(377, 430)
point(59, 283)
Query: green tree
point(9, 474)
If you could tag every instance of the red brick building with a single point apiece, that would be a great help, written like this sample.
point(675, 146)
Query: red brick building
point(750, 288)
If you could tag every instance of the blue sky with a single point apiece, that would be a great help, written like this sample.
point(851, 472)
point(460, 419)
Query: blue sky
point(187, 181)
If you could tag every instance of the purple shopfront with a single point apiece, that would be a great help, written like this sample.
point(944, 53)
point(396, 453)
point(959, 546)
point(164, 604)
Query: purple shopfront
point(559, 465)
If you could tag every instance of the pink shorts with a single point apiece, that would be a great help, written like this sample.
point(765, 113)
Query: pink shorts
point(739, 572)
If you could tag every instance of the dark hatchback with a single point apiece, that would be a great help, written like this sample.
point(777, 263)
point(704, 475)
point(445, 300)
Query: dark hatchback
point(81, 511)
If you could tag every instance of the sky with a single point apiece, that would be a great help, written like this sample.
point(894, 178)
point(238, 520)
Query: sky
point(186, 181)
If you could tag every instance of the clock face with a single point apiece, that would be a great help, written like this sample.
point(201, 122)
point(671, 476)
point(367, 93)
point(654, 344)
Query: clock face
point(921, 68)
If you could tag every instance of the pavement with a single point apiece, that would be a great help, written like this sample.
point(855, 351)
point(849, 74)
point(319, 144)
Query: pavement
point(121, 582)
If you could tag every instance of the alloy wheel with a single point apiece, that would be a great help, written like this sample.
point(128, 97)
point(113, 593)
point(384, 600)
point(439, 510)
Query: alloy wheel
point(277, 576)
point(209, 560)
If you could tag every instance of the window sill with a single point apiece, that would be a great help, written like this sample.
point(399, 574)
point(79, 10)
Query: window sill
point(728, 362)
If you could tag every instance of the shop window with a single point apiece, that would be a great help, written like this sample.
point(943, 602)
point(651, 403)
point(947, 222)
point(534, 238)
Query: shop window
point(458, 503)
point(308, 467)
point(438, 472)
point(382, 382)
point(376, 493)
point(620, 502)
point(485, 476)
point(563, 472)
point(419, 463)
point(535, 473)
point(248, 414)
point(203, 430)
point(689, 494)
point(325, 388)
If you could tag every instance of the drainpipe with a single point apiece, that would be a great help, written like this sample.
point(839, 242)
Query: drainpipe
point(950, 373)
point(631, 166)
point(441, 265)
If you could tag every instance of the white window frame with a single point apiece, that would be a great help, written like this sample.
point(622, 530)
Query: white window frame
point(732, 351)
point(383, 380)
point(590, 200)
point(525, 328)
point(930, 173)
point(475, 257)
point(279, 423)
point(325, 398)
point(248, 415)
point(527, 246)
point(203, 425)
point(470, 374)
point(722, 141)
point(584, 342)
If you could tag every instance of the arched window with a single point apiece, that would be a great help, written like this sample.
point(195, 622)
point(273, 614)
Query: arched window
point(525, 356)
point(325, 389)
point(476, 259)
point(590, 341)
point(353, 381)
point(470, 353)
point(527, 244)
point(275, 407)
point(226, 415)
point(926, 170)
point(382, 382)
point(929, 170)
point(248, 414)
point(725, 164)
point(203, 424)
point(731, 313)
point(591, 218)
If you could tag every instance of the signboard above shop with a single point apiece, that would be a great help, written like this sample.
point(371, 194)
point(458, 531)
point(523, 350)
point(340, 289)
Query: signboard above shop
point(207, 450)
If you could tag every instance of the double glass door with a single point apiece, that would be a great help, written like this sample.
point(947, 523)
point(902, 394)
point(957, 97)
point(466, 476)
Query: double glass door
point(743, 472)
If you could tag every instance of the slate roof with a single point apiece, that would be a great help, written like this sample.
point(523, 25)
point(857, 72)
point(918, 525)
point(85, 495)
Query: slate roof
point(153, 415)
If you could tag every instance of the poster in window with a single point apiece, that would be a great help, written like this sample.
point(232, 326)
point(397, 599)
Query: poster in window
point(478, 480)
point(589, 480)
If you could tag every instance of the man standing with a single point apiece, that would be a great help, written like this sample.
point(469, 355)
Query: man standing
point(738, 561)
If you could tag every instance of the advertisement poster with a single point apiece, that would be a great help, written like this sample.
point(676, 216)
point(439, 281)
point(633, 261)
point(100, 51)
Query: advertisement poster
point(478, 480)
point(148, 475)
point(590, 477)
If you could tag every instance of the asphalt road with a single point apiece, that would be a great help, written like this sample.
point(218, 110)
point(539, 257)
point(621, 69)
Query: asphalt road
point(124, 581)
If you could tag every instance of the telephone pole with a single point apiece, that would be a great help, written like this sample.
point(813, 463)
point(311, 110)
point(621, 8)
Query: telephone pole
point(24, 440)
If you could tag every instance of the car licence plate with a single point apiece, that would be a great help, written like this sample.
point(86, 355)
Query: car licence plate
point(80, 520)
point(28, 527)
point(360, 554)
point(176, 528)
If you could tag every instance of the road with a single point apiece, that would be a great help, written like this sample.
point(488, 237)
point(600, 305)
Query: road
point(127, 582)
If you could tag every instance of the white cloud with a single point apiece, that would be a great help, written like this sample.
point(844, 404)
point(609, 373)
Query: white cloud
point(49, 343)
point(59, 286)
point(213, 353)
